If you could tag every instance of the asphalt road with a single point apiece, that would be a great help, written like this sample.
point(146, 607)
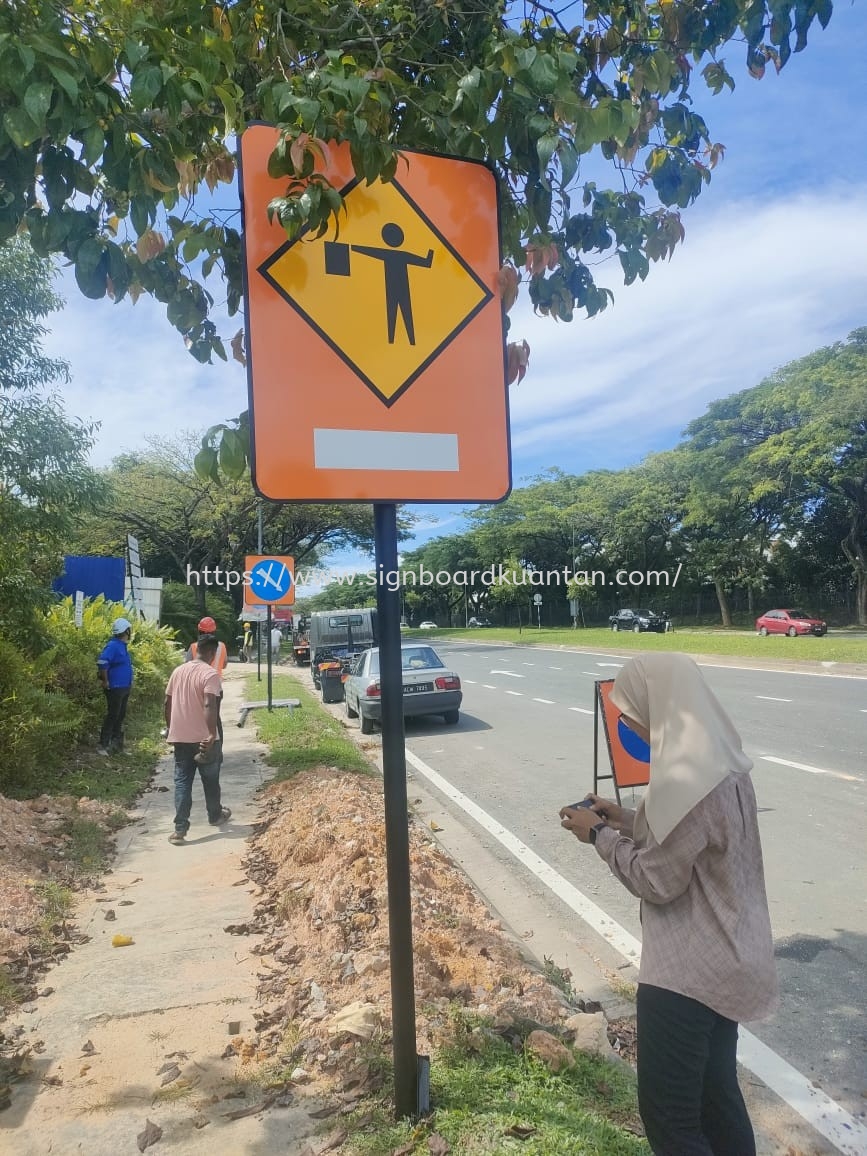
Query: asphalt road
point(524, 748)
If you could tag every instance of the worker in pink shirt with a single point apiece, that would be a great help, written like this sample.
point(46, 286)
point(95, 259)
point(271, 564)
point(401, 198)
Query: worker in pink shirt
point(192, 719)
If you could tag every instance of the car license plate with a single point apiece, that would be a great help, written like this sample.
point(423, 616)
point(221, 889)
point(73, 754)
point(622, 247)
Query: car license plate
point(417, 687)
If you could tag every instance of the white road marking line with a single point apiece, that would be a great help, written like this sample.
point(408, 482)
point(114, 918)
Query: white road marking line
point(582, 710)
point(518, 693)
point(549, 701)
point(470, 681)
point(528, 664)
point(815, 1106)
point(812, 770)
point(592, 673)
point(488, 686)
point(617, 664)
point(510, 673)
point(555, 667)
point(770, 698)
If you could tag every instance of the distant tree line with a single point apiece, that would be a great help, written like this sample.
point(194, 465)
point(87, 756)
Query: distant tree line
point(763, 502)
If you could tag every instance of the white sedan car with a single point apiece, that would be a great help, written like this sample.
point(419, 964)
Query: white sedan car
point(428, 626)
point(429, 687)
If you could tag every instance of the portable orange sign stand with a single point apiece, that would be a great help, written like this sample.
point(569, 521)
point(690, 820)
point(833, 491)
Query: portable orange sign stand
point(626, 769)
point(376, 353)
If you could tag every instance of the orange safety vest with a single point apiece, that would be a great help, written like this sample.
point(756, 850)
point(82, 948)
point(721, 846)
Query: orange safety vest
point(220, 658)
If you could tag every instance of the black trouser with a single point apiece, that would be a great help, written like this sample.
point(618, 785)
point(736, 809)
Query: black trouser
point(111, 735)
point(688, 1092)
point(219, 719)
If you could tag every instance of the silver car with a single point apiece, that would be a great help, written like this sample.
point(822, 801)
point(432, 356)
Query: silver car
point(429, 687)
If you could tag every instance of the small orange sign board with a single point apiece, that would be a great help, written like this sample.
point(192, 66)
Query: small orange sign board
point(375, 353)
point(271, 580)
point(626, 769)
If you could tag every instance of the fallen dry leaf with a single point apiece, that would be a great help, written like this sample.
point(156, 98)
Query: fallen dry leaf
point(170, 1075)
point(521, 1131)
point(87, 1048)
point(152, 1132)
point(251, 1110)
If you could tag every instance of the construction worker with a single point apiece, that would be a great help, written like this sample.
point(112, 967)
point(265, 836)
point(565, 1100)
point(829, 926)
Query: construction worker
point(248, 644)
point(207, 628)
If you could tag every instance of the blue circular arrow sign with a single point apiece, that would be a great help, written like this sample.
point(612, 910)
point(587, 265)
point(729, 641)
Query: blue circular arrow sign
point(632, 743)
point(270, 579)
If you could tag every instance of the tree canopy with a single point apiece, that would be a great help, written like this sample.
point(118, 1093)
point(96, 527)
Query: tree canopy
point(766, 496)
point(114, 115)
point(46, 484)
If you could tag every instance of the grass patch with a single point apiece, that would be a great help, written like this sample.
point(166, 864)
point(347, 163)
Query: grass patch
point(57, 903)
point(10, 993)
point(774, 648)
point(480, 1092)
point(118, 779)
point(305, 737)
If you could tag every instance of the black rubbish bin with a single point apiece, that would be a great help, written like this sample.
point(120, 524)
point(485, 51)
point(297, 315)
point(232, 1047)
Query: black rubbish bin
point(331, 681)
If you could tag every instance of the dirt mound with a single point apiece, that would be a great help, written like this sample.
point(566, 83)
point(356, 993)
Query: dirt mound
point(319, 858)
point(34, 839)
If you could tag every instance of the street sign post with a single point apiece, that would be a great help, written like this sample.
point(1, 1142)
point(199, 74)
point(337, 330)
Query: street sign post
point(375, 355)
point(272, 583)
point(376, 373)
point(537, 602)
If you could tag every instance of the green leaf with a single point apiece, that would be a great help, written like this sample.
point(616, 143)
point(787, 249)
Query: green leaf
point(20, 127)
point(65, 78)
point(546, 146)
point(37, 101)
point(91, 268)
point(206, 464)
point(233, 460)
point(93, 142)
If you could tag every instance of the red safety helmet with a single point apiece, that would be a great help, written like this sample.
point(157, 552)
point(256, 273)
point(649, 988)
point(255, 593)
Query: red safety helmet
point(207, 626)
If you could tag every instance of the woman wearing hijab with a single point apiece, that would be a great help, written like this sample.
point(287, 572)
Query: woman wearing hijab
point(691, 853)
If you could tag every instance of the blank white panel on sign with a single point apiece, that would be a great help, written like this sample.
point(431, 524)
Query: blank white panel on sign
point(359, 449)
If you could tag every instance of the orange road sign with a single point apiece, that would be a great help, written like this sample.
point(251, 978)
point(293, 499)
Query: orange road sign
point(375, 353)
point(630, 759)
point(271, 581)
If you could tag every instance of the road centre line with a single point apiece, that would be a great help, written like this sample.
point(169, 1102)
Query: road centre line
point(488, 686)
point(555, 667)
point(582, 710)
point(470, 681)
point(828, 1118)
point(510, 673)
point(549, 701)
point(770, 698)
point(812, 770)
point(528, 664)
point(518, 693)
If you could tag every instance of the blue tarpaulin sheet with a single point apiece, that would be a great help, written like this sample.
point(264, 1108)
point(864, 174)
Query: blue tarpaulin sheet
point(93, 576)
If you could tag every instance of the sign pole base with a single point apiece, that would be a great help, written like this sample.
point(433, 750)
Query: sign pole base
point(406, 1064)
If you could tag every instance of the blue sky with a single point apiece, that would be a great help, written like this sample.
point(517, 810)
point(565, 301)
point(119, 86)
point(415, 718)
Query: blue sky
point(774, 265)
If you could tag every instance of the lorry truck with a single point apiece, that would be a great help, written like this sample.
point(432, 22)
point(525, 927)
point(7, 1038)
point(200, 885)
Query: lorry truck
point(337, 637)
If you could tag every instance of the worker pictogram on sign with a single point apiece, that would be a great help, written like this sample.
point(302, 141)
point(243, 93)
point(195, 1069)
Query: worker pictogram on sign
point(392, 266)
point(376, 351)
point(271, 580)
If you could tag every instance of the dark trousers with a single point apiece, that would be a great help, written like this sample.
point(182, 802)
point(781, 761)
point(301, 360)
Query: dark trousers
point(185, 774)
point(111, 735)
point(688, 1092)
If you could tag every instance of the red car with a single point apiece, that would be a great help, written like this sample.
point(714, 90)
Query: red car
point(791, 622)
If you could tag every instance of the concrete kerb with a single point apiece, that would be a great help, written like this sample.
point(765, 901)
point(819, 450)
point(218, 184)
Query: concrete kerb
point(172, 994)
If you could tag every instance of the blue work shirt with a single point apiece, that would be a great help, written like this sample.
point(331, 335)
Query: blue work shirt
point(117, 664)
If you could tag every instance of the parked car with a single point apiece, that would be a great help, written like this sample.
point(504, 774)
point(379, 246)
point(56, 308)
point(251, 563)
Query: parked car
point(638, 621)
point(428, 626)
point(791, 622)
point(473, 622)
point(429, 687)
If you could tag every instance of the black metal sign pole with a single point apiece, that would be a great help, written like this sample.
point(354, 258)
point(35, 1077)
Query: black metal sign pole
point(268, 625)
point(406, 1066)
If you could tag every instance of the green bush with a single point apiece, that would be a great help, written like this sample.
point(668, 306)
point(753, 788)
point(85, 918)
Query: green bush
point(52, 701)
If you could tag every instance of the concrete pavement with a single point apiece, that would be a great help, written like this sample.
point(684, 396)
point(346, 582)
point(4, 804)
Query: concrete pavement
point(174, 996)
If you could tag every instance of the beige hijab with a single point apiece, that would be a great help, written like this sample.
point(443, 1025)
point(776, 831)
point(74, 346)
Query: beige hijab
point(693, 743)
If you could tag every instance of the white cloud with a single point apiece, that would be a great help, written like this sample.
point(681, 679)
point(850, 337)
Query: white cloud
point(754, 286)
point(131, 373)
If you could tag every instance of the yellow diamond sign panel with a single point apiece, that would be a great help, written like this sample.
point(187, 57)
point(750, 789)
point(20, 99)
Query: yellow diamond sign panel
point(387, 291)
